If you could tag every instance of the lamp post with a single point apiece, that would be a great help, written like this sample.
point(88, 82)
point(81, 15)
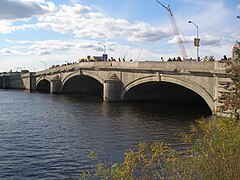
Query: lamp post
point(105, 52)
point(196, 40)
point(105, 47)
point(44, 64)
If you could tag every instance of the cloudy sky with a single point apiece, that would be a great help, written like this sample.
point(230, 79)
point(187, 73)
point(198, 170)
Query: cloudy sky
point(59, 31)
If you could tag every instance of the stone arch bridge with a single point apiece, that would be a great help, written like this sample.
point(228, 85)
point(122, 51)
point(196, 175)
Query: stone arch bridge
point(129, 81)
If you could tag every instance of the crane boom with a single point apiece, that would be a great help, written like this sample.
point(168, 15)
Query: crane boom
point(176, 31)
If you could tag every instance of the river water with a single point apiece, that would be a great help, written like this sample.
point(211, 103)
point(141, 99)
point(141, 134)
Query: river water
point(44, 136)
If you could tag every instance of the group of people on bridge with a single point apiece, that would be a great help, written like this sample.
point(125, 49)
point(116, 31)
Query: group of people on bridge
point(174, 59)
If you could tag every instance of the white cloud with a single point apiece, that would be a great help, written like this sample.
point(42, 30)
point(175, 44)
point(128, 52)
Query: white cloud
point(11, 10)
point(238, 7)
point(78, 48)
point(49, 46)
point(11, 51)
point(5, 51)
point(6, 27)
point(42, 53)
point(18, 41)
point(55, 52)
point(233, 33)
point(83, 21)
point(211, 40)
point(22, 11)
point(210, 44)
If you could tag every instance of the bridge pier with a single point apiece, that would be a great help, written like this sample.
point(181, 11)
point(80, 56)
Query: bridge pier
point(112, 89)
point(55, 86)
point(29, 81)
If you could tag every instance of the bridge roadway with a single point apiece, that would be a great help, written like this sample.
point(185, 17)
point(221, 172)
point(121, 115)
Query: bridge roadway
point(123, 81)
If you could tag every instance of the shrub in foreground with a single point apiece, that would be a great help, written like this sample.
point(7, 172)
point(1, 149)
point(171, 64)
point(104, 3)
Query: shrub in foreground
point(214, 154)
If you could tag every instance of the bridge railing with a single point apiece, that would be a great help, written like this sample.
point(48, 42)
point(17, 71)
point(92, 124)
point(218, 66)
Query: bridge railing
point(186, 66)
point(145, 65)
point(57, 69)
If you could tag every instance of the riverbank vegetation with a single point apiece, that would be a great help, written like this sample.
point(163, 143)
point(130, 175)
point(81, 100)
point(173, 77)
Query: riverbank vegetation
point(214, 154)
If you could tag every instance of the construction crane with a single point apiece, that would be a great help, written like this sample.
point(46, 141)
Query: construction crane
point(176, 31)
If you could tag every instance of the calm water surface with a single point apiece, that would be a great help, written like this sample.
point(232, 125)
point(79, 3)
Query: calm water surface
point(45, 136)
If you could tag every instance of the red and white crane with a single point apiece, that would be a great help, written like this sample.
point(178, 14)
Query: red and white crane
point(176, 31)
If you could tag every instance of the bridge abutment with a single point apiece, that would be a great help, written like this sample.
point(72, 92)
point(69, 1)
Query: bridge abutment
point(4, 82)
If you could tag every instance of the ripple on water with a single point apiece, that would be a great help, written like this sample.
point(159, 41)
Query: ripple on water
point(46, 136)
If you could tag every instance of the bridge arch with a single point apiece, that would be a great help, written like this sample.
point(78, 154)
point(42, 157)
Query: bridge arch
point(177, 81)
point(43, 85)
point(92, 83)
point(92, 75)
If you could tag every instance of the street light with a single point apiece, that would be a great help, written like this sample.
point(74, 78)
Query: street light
point(196, 40)
point(238, 17)
point(44, 64)
point(105, 56)
point(105, 48)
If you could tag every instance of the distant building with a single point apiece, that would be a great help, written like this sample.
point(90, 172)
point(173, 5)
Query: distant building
point(235, 47)
point(98, 58)
point(91, 59)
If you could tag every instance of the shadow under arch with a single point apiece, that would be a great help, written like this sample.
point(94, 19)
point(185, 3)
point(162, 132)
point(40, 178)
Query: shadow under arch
point(83, 83)
point(92, 75)
point(43, 85)
point(171, 83)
